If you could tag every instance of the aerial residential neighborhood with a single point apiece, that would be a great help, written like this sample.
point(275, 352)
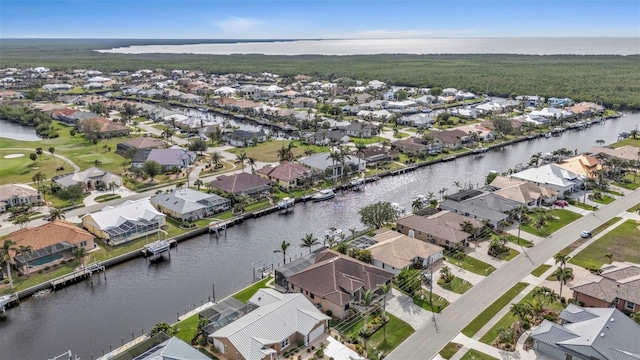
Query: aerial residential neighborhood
point(319, 181)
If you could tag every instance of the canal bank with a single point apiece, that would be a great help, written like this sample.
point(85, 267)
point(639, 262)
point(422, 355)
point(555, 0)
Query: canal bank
point(139, 294)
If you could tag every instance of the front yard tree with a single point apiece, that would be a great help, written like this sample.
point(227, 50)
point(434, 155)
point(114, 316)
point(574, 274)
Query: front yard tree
point(8, 246)
point(377, 215)
point(198, 145)
point(151, 168)
point(71, 192)
point(563, 275)
point(240, 159)
point(409, 280)
point(55, 214)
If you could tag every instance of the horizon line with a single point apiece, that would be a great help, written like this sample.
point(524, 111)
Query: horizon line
point(317, 39)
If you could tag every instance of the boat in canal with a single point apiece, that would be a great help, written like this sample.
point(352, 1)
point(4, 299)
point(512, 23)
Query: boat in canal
point(333, 234)
point(323, 195)
point(286, 203)
point(398, 209)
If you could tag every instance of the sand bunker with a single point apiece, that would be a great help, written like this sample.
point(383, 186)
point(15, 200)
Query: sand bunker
point(13, 156)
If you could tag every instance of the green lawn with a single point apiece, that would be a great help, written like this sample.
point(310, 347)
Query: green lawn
point(576, 244)
point(476, 355)
point(107, 197)
point(449, 350)
point(187, 329)
point(439, 303)
point(474, 265)
point(21, 169)
point(23, 282)
point(245, 294)
point(622, 242)
point(458, 285)
point(605, 199)
point(632, 184)
point(268, 150)
point(491, 311)
point(635, 208)
point(583, 206)
point(521, 242)
point(564, 217)
point(386, 338)
point(628, 141)
point(508, 319)
point(506, 256)
point(540, 270)
point(613, 192)
point(371, 140)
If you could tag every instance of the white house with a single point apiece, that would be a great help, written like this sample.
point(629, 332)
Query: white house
point(552, 176)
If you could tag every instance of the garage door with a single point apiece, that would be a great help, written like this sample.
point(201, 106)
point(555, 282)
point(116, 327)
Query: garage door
point(315, 333)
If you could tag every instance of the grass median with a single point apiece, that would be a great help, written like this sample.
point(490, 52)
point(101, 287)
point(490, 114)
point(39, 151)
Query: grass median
point(491, 311)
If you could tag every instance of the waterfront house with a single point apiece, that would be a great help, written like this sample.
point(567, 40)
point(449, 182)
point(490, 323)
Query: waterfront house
point(617, 285)
point(103, 128)
point(583, 165)
point(76, 116)
point(326, 137)
point(477, 132)
point(450, 139)
point(280, 322)
point(243, 183)
point(414, 145)
point(286, 175)
point(377, 154)
point(587, 109)
point(18, 195)
point(525, 193)
point(430, 229)
point(395, 251)
point(531, 100)
point(588, 333)
point(128, 221)
point(51, 243)
point(420, 120)
point(322, 162)
point(626, 152)
point(57, 87)
point(552, 177)
point(130, 146)
point(167, 158)
point(479, 205)
point(303, 102)
point(336, 281)
point(559, 102)
point(243, 138)
point(169, 349)
point(186, 204)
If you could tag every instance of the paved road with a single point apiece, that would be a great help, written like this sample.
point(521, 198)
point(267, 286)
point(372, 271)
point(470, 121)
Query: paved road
point(427, 341)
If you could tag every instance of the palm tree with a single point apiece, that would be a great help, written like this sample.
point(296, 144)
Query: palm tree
point(198, 183)
point(609, 256)
point(457, 184)
point(442, 192)
point(309, 241)
point(417, 205)
point(335, 158)
point(367, 299)
point(467, 227)
point(168, 134)
point(38, 178)
point(283, 249)
point(360, 149)
point(561, 259)
point(5, 252)
point(24, 251)
point(545, 294)
point(97, 163)
point(215, 159)
point(252, 163)
point(240, 159)
point(55, 214)
point(521, 311)
point(52, 150)
point(563, 275)
point(385, 289)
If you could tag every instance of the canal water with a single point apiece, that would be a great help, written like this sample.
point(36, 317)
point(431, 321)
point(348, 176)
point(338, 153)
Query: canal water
point(90, 319)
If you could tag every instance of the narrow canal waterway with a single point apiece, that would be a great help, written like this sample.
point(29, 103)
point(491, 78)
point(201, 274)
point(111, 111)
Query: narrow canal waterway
point(90, 319)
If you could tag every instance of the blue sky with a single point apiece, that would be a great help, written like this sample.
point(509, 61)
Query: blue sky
point(269, 19)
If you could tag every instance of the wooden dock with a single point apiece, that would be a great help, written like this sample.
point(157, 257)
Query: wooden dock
point(86, 271)
point(158, 248)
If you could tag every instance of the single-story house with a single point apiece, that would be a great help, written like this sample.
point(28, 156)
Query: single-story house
point(323, 162)
point(336, 281)
point(583, 165)
point(416, 146)
point(419, 120)
point(18, 195)
point(524, 192)
point(396, 251)
point(51, 243)
point(552, 177)
point(482, 206)
point(57, 87)
point(377, 154)
point(587, 108)
point(243, 184)
point(626, 152)
point(128, 221)
point(559, 102)
point(531, 100)
point(428, 229)
point(588, 333)
point(303, 102)
point(617, 285)
point(359, 129)
point(450, 139)
point(243, 138)
point(167, 158)
point(76, 116)
point(326, 137)
point(104, 128)
point(90, 179)
point(279, 323)
point(167, 349)
point(139, 143)
point(186, 204)
point(286, 175)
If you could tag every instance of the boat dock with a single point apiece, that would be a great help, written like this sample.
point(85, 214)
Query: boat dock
point(8, 301)
point(85, 271)
point(158, 247)
point(218, 226)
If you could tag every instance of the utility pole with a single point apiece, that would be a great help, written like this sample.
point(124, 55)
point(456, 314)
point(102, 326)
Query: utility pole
point(213, 288)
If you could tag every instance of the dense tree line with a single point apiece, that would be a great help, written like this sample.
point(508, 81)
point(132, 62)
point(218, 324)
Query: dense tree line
point(612, 80)
point(26, 116)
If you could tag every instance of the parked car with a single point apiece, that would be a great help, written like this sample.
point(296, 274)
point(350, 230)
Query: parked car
point(561, 203)
point(585, 234)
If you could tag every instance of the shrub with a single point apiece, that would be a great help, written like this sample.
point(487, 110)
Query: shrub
point(308, 351)
point(300, 344)
point(526, 325)
point(202, 341)
point(563, 300)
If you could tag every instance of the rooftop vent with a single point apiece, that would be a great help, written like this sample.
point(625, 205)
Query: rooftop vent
point(601, 335)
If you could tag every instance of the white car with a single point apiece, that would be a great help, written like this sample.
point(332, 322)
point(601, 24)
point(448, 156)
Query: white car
point(585, 234)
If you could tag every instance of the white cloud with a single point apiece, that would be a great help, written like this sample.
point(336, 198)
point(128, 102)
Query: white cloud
point(239, 25)
point(401, 34)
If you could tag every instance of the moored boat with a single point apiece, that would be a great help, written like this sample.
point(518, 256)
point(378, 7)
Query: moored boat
point(323, 195)
point(286, 203)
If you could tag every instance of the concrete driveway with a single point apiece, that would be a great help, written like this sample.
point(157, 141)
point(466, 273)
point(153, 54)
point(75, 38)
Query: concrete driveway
point(402, 307)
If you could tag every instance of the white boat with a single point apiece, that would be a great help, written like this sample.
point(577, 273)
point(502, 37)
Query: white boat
point(421, 198)
point(41, 293)
point(398, 208)
point(547, 135)
point(286, 203)
point(4, 300)
point(333, 233)
point(203, 109)
point(357, 183)
point(323, 195)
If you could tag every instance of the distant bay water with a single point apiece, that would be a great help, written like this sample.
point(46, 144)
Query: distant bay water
point(506, 45)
